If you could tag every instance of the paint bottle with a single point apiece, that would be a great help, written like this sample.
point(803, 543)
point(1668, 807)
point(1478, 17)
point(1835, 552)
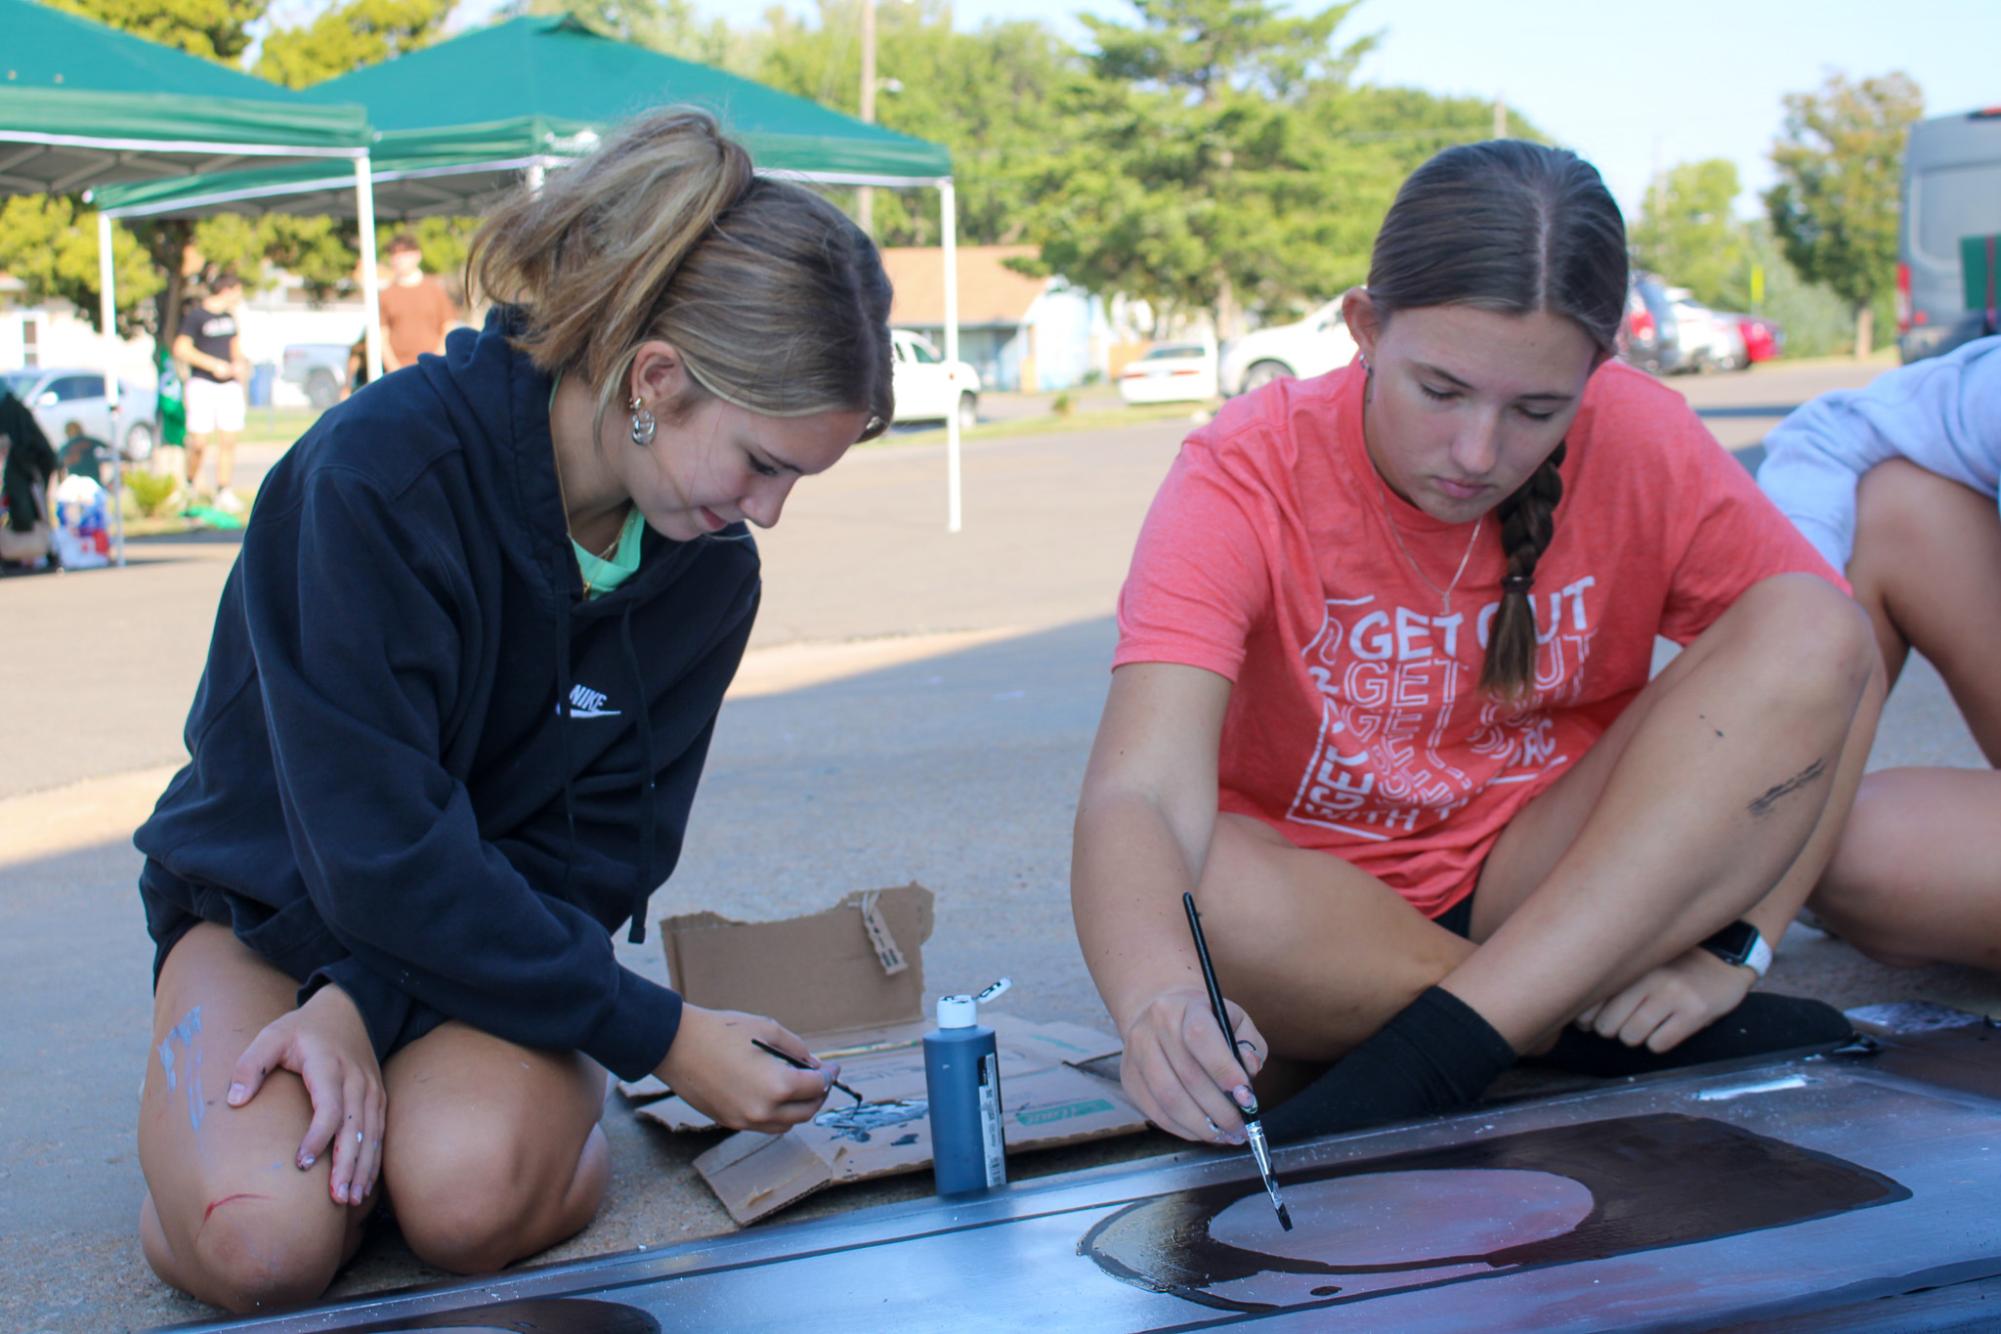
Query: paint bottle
point(962, 1081)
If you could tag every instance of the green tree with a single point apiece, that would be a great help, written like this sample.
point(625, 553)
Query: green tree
point(360, 32)
point(49, 242)
point(670, 27)
point(1687, 233)
point(1197, 172)
point(1834, 209)
point(1817, 322)
point(986, 95)
point(215, 29)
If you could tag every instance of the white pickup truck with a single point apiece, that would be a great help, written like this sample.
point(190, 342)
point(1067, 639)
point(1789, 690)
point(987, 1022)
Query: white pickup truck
point(1302, 349)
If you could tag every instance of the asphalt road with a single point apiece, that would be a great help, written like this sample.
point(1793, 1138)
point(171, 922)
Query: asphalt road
point(916, 705)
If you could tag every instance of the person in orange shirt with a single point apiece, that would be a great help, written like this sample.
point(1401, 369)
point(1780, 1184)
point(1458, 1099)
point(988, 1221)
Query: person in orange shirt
point(1382, 700)
point(416, 311)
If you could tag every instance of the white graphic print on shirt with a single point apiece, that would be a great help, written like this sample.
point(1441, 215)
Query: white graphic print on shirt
point(1390, 682)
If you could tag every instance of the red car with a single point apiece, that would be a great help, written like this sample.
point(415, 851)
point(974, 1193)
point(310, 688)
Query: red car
point(1763, 340)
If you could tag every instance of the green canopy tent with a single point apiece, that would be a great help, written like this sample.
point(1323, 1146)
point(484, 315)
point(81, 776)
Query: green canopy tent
point(84, 105)
point(462, 122)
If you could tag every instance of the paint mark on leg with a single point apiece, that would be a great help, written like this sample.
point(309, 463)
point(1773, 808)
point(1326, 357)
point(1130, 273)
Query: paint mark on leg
point(184, 1033)
point(1766, 803)
point(195, 1104)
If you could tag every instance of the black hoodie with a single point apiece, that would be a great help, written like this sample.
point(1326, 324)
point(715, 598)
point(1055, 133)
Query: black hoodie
point(423, 769)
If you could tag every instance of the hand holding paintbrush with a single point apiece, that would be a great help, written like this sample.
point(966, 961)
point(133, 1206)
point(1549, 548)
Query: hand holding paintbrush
point(1254, 1128)
point(798, 1064)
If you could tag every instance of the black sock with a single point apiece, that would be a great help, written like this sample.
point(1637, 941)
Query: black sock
point(1760, 1025)
point(1437, 1053)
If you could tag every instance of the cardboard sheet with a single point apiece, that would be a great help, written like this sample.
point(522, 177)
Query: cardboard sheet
point(850, 981)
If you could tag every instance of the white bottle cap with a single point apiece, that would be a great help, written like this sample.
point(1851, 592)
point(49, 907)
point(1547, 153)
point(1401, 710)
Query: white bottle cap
point(957, 1011)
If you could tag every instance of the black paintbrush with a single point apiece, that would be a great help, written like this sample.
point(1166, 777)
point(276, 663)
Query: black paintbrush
point(1254, 1129)
point(798, 1064)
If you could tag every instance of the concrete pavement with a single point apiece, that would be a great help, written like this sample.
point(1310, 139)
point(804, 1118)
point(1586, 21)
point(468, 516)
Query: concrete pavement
point(916, 706)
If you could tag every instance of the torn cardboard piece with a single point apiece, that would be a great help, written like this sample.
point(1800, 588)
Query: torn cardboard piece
point(850, 982)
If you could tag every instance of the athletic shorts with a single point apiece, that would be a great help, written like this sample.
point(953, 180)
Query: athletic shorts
point(1458, 919)
point(214, 405)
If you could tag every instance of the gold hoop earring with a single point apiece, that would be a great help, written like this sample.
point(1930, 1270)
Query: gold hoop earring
point(644, 423)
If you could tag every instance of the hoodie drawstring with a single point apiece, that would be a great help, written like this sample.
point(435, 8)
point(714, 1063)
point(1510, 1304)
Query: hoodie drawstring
point(648, 817)
point(563, 708)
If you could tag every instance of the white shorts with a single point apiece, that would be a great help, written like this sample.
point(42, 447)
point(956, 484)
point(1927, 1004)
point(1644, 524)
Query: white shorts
point(214, 405)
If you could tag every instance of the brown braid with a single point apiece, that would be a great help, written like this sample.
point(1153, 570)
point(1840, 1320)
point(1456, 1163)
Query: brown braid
point(1528, 522)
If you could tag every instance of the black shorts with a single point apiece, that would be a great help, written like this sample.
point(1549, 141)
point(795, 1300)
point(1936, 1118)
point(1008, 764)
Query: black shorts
point(1458, 919)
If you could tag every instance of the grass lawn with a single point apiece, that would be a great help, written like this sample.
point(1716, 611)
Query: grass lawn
point(277, 426)
point(283, 426)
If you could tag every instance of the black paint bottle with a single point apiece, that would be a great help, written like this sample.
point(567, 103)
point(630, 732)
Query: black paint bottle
point(962, 1080)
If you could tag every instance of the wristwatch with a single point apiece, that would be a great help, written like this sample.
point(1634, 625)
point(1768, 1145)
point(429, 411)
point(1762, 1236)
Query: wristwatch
point(1741, 944)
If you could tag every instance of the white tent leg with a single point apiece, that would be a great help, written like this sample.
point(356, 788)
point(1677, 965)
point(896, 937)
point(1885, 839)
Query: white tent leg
point(107, 308)
point(948, 226)
point(371, 301)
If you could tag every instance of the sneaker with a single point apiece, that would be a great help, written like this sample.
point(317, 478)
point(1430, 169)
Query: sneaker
point(228, 501)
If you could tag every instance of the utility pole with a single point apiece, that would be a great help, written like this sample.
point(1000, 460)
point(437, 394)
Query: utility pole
point(1501, 116)
point(865, 195)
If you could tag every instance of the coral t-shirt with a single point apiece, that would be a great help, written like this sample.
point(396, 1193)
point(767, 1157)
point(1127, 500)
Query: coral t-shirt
point(415, 317)
point(1357, 725)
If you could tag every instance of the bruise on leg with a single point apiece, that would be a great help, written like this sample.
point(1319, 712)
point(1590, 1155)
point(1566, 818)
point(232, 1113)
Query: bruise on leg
point(1768, 801)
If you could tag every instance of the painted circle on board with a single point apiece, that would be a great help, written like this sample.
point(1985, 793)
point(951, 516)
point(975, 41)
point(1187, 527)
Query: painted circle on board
point(1406, 1218)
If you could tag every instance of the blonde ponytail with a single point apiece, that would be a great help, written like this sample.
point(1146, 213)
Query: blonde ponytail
point(775, 300)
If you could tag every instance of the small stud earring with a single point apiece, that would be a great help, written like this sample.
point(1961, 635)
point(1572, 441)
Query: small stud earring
point(643, 422)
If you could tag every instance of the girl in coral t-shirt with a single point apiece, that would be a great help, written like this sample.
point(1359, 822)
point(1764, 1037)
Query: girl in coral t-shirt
point(1382, 699)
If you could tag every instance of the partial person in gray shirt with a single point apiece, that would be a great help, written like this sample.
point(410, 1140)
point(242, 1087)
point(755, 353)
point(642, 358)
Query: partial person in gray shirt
point(1896, 484)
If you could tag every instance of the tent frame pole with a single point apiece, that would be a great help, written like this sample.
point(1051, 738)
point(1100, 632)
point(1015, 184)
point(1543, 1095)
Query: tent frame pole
point(948, 228)
point(371, 298)
point(107, 316)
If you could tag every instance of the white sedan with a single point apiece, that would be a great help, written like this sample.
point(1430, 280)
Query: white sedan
point(1171, 373)
point(60, 395)
point(927, 387)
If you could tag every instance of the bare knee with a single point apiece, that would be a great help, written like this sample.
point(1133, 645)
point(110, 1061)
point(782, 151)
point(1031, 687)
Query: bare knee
point(251, 1255)
point(1897, 508)
point(474, 1200)
point(1814, 644)
point(1864, 896)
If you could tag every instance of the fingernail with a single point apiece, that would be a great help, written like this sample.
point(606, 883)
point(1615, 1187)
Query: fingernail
point(1245, 1098)
point(305, 1161)
point(237, 1093)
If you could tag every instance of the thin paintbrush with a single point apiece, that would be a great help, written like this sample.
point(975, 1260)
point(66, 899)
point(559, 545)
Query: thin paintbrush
point(1254, 1129)
point(798, 1064)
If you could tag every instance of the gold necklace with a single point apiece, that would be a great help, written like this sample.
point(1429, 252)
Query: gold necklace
point(563, 494)
point(1445, 593)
